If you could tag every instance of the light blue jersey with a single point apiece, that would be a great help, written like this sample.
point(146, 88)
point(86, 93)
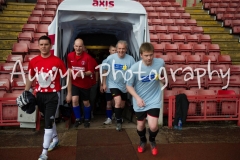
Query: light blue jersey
point(118, 67)
point(147, 84)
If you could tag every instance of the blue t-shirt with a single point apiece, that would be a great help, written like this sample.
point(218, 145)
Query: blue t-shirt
point(146, 84)
point(118, 67)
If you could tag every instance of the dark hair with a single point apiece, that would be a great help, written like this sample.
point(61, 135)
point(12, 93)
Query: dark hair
point(45, 38)
point(112, 46)
point(146, 47)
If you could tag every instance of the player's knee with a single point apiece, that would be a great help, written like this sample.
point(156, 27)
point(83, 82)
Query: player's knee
point(153, 128)
point(75, 102)
point(86, 103)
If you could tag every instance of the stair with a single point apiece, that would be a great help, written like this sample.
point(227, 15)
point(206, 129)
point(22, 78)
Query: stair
point(12, 19)
point(228, 43)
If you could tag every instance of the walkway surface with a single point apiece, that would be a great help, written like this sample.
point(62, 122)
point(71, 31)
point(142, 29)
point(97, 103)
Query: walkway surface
point(101, 142)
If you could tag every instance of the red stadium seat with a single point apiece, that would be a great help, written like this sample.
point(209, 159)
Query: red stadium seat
point(170, 9)
point(175, 15)
point(17, 84)
point(161, 29)
point(166, 4)
point(151, 29)
point(234, 81)
point(167, 94)
point(49, 13)
point(199, 49)
point(34, 47)
point(168, 22)
point(158, 49)
point(206, 58)
point(192, 108)
point(180, 22)
point(25, 36)
point(193, 59)
point(166, 58)
point(37, 13)
point(36, 36)
point(234, 69)
point(221, 67)
point(46, 20)
point(178, 39)
point(20, 48)
point(191, 22)
point(185, 16)
point(25, 67)
point(42, 28)
point(171, 49)
point(224, 59)
point(213, 48)
point(165, 38)
point(178, 82)
point(53, 2)
point(185, 30)
point(185, 49)
point(163, 15)
point(171, 67)
point(176, 59)
point(175, 4)
point(150, 9)
point(156, 21)
point(236, 30)
point(39, 7)
point(51, 7)
point(160, 9)
point(180, 10)
point(195, 83)
point(147, 4)
point(192, 39)
point(28, 58)
point(33, 20)
point(7, 67)
point(152, 15)
point(156, 4)
point(43, 2)
point(197, 30)
point(223, 5)
point(2, 92)
point(173, 29)
point(14, 58)
point(215, 81)
point(29, 27)
point(4, 84)
point(204, 39)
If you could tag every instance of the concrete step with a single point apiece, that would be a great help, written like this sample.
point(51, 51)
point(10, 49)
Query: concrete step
point(225, 40)
point(8, 37)
point(194, 8)
point(9, 26)
point(210, 23)
point(5, 52)
point(14, 19)
point(215, 29)
point(6, 12)
point(12, 22)
point(15, 15)
point(197, 12)
point(229, 52)
point(9, 33)
point(20, 4)
point(202, 17)
point(7, 44)
point(11, 29)
point(19, 9)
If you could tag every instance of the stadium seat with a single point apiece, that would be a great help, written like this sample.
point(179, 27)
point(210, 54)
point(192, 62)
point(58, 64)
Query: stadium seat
point(193, 59)
point(192, 108)
point(221, 67)
point(185, 49)
point(194, 83)
point(234, 69)
point(192, 39)
point(17, 84)
point(234, 81)
point(227, 16)
point(173, 29)
point(178, 39)
point(170, 9)
point(46, 20)
point(231, 10)
point(168, 22)
point(197, 30)
point(34, 48)
point(2, 92)
point(179, 82)
point(166, 95)
point(161, 29)
point(5, 76)
point(166, 4)
point(206, 58)
point(235, 23)
point(156, 22)
point(204, 39)
point(152, 15)
point(29, 27)
point(175, 4)
point(42, 28)
point(158, 49)
point(236, 30)
point(33, 20)
point(156, 4)
point(199, 49)
point(235, 89)
point(150, 9)
point(180, 22)
point(52, 2)
point(213, 48)
point(7, 67)
point(169, 67)
point(49, 13)
point(39, 7)
point(224, 59)
point(149, 22)
point(215, 81)
point(146, 4)
point(154, 38)
point(186, 68)
point(36, 36)
point(4, 84)
point(191, 22)
point(185, 16)
point(165, 38)
point(43, 2)
point(27, 58)
point(163, 15)
point(14, 58)
point(223, 5)
point(151, 29)
point(178, 59)
point(185, 30)
point(171, 49)
point(160, 9)
point(25, 36)
point(166, 58)
point(180, 10)
point(20, 48)
point(37, 13)
point(175, 15)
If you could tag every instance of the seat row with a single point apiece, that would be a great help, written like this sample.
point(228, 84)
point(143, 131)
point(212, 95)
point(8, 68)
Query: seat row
point(160, 4)
point(21, 58)
point(187, 30)
point(37, 28)
point(220, 1)
point(25, 48)
point(214, 11)
point(49, 2)
point(47, 7)
point(162, 15)
point(183, 38)
point(207, 5)
point(226, 16)
point(165, 9)
point(172, 58)
point(29, 36)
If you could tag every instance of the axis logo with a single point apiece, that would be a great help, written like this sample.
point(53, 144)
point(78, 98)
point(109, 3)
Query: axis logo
point(102, 3)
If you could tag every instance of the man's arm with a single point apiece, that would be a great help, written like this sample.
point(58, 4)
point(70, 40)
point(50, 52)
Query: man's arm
point(69, 86)
point(28, 84)
point(140, 101)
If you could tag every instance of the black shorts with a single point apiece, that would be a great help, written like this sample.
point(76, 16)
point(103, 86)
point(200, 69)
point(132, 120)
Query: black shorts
point(84, 94)
point(48, 105)
point(151, 112)
point(108, 96)
point(116, 92)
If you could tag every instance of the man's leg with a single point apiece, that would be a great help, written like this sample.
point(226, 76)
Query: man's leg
point(152, 116)
point(108, 108)
point(85, 94)
point(75, 104)
point(93, 94)
point(141, 130)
